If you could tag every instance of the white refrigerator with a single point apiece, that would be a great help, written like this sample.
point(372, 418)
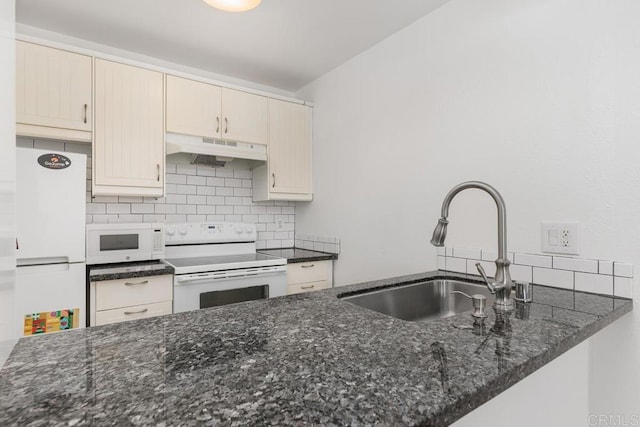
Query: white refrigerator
point(50, 225)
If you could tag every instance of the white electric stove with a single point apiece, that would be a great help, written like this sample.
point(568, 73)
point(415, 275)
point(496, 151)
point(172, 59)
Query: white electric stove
point(217, 264)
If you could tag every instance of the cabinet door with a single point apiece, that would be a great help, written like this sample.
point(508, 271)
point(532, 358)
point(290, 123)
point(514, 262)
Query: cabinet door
point(193, 108)
point(245, 117)
point(53, 87)
point(289, 147)
point(129, 130)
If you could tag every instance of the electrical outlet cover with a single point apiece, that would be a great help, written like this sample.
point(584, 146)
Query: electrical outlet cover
point(561, 237)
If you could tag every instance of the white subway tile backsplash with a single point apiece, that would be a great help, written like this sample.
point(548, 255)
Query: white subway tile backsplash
point(186, 189)
point(196, 200)
point(187, 209)
point(196, 180)
point(467, 253)
point(215, 200)
point(204, 210)
point(242, 173)
point(97, 208)
point(165, 209)
point(533, 260)
point(186, 169)
point(522, 273)
point(215, 182)
point(458, 265)
point(605, 267)
point(232, 182)
point(202, 170)
point(575, 264)
point(622, 269)
point(596, 276)
point(440, 250)
point(176, 199)
point(118, 208)
point(594, 283)
point(623, 287)
point(242, 192)
point(172, 178)
point(550, 277)
point(224, 210)
point(224, 191)
point(224, 172)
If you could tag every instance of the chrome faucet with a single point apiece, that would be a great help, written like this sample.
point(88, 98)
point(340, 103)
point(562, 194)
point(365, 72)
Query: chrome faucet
point(501, 285)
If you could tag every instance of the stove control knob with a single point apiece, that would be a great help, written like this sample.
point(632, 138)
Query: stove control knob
point(183, 230)
point(171, 231)
point(248, 229)
point(239, 229)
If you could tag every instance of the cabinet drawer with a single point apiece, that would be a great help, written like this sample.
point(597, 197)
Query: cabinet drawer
point(305, 272)
point(129, 292)
point(133, 313)
point(308, 287)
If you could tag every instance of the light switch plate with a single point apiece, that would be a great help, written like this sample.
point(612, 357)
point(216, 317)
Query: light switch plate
point(561, 238)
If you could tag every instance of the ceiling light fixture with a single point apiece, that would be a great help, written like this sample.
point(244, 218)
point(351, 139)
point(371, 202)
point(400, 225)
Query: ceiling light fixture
point(234, 5)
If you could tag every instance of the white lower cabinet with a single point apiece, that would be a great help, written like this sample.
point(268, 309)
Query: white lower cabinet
point(309, 276)
point(132, 313)
point(130, 299)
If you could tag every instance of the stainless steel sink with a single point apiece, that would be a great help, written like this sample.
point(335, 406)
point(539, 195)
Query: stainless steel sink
point(426, 300)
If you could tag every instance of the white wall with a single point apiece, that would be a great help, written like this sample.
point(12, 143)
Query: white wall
point(540, 98)
point(7, 171)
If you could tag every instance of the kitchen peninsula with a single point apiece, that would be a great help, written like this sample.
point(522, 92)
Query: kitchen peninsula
point(309, 358)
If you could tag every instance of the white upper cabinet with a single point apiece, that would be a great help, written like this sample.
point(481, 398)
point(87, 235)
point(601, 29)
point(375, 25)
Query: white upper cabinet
point(287, 175)
point(53, 93)
point(245, 117)
point(209, 111)
point(128, 155)
point(193, 108)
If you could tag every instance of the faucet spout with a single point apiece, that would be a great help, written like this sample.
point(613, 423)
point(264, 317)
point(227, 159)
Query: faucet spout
point(502, 283)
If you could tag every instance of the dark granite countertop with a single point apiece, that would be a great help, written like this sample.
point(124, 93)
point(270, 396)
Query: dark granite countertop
point(306, 359)
point(128, 270)
point(296, 255)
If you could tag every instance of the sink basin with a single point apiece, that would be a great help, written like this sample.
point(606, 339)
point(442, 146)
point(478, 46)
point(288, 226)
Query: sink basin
point(431, 299)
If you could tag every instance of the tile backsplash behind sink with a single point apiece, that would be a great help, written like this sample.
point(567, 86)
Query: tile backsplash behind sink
point(588, 275)
point(193, 194)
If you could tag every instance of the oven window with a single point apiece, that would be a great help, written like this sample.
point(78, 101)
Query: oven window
point(232, 296)
point(118, 242)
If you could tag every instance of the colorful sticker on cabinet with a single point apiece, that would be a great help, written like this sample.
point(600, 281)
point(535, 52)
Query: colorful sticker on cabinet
point(51, 321)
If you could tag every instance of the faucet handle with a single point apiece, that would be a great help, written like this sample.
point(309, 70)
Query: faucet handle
point(492, 288)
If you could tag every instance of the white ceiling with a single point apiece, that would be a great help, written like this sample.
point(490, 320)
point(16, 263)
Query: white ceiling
point(283, 43)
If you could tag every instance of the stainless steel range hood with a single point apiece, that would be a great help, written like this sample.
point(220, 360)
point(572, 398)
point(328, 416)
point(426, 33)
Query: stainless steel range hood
point(212, 152)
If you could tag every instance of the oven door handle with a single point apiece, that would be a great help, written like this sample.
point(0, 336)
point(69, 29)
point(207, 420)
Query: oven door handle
point(261, 271)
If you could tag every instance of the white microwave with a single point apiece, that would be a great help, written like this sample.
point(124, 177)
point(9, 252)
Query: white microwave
point(112, 243)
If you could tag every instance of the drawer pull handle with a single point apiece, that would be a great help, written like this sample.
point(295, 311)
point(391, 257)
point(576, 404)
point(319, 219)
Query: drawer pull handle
point(308, 266)
point(307, 287)
point(128, 313)
point(144, 282)
point(85, 114)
